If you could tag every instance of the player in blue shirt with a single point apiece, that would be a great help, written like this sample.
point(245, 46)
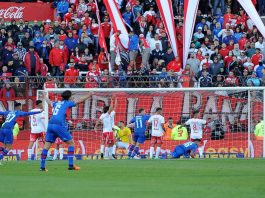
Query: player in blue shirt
point(186, 149)
point(139, 132)
point(6, 132)
point(58, 127)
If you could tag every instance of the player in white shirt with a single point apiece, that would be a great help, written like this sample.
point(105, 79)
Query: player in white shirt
point(37, 128)
point(108, 139)
point(196, 127)
point(157, 122)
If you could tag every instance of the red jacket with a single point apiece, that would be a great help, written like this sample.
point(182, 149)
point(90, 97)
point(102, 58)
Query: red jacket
point(27, 62)
point(174, 65)
point(71, 75)
point(43, 69)
point(256, 58)
point(57, 57)
point(4, 91)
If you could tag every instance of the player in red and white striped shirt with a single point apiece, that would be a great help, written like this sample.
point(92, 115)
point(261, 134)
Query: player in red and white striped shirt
point(37, 127)
point(196, 127)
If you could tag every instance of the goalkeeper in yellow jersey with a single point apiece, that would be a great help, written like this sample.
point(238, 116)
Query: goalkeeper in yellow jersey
point(124, 136)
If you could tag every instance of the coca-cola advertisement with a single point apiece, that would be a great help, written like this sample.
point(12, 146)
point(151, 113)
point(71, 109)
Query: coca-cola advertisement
point(26, 11)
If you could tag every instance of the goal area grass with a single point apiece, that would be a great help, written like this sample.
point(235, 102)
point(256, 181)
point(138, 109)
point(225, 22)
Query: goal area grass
point(200, 178)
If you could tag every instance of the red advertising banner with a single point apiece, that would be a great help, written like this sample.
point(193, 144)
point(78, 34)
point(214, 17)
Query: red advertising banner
point(26, 11)
point(212, 149)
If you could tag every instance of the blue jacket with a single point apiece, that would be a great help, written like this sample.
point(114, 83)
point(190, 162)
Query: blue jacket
point(237, 36)
point(62, 6)
point(70, 43)
point(88, 32)
point(127, 16)
point(134, 43)
point(38, 42)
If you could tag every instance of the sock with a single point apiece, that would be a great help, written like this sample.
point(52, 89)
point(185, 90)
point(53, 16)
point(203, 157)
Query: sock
point(71, 151)
point(110, 151)
point(61, 151)
point(3, 152)
point(55, 154)
point(49, 154)
point(106, 152)
point(200, 149)
point(152, 149)
point(135, 151)
point(101, 148)
point(158, 149)
point(114, 149)
point(43, 158)
point(131, 150)
point(29, 153)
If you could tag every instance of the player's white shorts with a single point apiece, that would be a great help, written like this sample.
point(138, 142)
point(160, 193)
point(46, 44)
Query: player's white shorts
point(124, 145)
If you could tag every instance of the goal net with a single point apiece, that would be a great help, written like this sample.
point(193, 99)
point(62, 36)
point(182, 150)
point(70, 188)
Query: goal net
point(232, 115)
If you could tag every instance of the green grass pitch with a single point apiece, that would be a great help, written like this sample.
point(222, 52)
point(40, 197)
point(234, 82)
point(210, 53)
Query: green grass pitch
point(210, 178)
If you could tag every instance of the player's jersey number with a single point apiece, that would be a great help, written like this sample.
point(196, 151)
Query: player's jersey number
point(139, 123)
point(34, 120)
point(56, 109)
point(10, 117)
point(155, 123)
point(187, 144)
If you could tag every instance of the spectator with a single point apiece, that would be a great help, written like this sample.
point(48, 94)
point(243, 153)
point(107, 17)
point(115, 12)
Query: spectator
point(199, 35)
point(157, 53)
point(133, 48)
point(205, 80)
point(44, 52)
point(19, 87)
point(128, 16)
point(254, 80)
point(82, 64)
point(248, 64)
point(62, 8)
point(242, 41)
point(95, 63)
point(114, 46)
point(207, 61)
point(26, 41)
point(145, 50)
point(187, 78)
point(37, 40)
point(92, 77)
point(7, 55)
point(51, 35)
point(231, 80)
point(105, 79)
point(7, 91)
point(103, 62)
point(258, 69)
point(194, 63)
point(154, 42)
point(256, 58)
point(260, 44)
point(168, 56)
point(242, 57)
point(32, 62)
point(4, 74)
point(174, 65)
point(215, 67)
point(71, 75)
point(57, 60)
point(43, 68)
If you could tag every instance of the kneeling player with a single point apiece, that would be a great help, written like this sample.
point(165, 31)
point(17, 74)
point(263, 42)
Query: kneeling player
point(139, 132)
point(186, 149)
point(158, 122)
point(124, 136)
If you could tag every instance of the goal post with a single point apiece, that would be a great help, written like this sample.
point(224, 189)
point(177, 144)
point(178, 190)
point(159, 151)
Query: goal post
point(232, 114)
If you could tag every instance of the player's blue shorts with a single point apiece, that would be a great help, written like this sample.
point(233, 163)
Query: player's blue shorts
point(140, 138)
point(178, 151)
point(6, 136)
point(55, 130)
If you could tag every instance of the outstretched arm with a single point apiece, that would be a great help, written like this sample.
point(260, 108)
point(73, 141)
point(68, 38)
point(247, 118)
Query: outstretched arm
point(29, 113)
point(113, 105)
point(4, 112)
point(77, 101)
point(46, 98)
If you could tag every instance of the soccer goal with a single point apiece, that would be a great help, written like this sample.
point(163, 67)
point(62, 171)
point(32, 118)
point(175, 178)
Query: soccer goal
point(234, 115)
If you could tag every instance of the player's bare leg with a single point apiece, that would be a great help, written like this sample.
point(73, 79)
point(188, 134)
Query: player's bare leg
point(71, 165)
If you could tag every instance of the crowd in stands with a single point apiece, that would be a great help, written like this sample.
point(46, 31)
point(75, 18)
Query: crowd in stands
point(226, 49)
